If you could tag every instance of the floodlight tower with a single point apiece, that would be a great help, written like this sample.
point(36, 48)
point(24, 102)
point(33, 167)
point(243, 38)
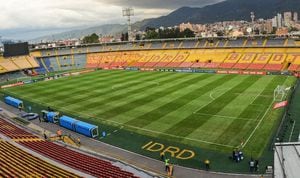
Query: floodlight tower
point(129, 12)
point(252, 15)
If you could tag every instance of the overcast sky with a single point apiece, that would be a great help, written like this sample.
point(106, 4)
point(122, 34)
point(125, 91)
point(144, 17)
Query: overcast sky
point(70, 13)
point(66, 14)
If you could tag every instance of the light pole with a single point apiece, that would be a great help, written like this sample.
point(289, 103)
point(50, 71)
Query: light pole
point(129, 12)
point(252, 16)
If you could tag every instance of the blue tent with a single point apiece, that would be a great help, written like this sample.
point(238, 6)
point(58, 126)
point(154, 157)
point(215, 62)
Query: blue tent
point(13, 102)
point(86, 129)
point(67, 122)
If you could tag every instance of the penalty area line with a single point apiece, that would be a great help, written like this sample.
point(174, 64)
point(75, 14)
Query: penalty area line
point(258, 124)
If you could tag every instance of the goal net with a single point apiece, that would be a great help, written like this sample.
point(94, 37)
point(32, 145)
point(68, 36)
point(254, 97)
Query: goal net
point(280, 92)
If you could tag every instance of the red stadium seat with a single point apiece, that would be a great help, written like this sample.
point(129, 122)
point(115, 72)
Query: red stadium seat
point(256, 66)
point(241, 66)
point(273, 67)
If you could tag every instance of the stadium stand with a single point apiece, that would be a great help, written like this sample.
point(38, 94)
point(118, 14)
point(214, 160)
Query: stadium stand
point(272, 59)
point(139, 45)
point(189, 44)
point(13, 132)
point(120, 60)
point(79, 50)
point(275, 42)
point(9, 65)
point(168, 57)
point(192, 61)
point(126, 46)
point(156, 45)
point(213, 58)
point(50, 52)
point(276, 63)
point(260, 62)
point(293, 61)
point(42, 69)
point(254, 42)
point(63, 51)
point(140, 59)
point(66, 62)
point(173, 44)
point(88, 164)
point(154, 58)
point(245, 61)
point(80, 60)
point(235, 43)
point(54, 63)
point(2, 70)
point(17, 63)
point(116, 47)
point(221, 43)
point(32, 61)
point(213, 53)
point(231, 60)
point(18, 163)
point(92, 60)
point(93, 49)
point(21, 62)
point(179, 59)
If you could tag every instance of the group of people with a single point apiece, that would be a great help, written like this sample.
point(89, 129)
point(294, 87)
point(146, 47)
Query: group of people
point(237, 155)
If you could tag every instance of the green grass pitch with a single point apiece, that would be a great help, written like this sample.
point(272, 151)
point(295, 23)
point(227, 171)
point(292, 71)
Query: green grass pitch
point(217, 112)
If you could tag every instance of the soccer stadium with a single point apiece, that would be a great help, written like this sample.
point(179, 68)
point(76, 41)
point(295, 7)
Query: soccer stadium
point(189, 100)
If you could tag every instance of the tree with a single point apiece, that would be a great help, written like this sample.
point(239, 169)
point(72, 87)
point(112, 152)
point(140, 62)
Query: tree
point(187, 33)
point(151, 33)
point(220, 33)
point(137, 37)
point(124, 37)
point(93, 38)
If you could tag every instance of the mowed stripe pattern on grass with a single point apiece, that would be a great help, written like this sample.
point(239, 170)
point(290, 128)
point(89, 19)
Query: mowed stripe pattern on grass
point(204, 108)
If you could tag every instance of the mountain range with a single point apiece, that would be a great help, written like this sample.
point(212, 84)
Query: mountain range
point(224, 11)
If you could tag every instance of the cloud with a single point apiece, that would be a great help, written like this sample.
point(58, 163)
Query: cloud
point(62, 14)
point(56, 13)
point(164, 4)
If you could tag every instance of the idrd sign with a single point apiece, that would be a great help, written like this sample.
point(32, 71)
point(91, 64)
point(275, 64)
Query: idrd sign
point(174, 151)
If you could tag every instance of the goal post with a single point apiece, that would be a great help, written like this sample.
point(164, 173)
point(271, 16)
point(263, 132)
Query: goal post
point(280, 92)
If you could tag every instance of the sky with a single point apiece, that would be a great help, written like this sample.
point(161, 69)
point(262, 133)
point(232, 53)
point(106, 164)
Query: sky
point(31, 16)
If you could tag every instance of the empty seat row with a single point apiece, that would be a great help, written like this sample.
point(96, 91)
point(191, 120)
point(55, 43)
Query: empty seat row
point(15, 162)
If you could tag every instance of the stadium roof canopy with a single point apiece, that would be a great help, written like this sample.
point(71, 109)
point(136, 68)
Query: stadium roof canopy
point(287, 160)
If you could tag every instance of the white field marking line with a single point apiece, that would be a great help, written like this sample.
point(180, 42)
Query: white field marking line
point(138, 128)
point(257, 105)
point(256, 97)
point(133, 82)
point(292, 131)
point(258, 124)
point(195, 112)
point(229, 117)
point(214, 91)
